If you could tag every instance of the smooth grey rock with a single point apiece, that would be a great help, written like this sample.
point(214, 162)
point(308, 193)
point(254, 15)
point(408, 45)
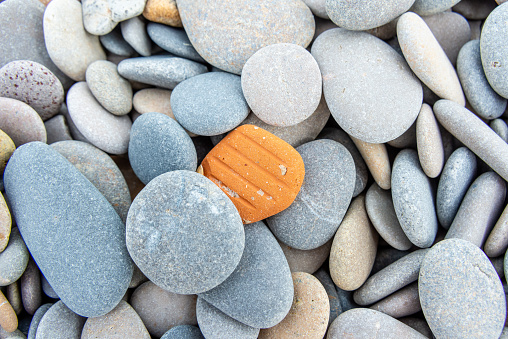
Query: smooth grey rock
point(308, 261)
point(402, 303)
point(60, 322)
point(210, 103)
point(333, 298)
point(429, 142)
point(75, 133)
point(125, 9)
point(475, 9)
point(318, 8)
point(381, 104)
point(57, 129)
point(17, 334)
point(408, 138)
point(161, 70)
point(134, 32)
point(47, 289)
point(499, 126)
point(36, 319)
point(484, 100)
point(497, 242)
point(413, 199)
point(217, 325)
point(158, 144)
point(81, 231)
point(259, 293)
point(97, 17)
point(31, 288)
point(114, 43)
point(430, 7)
point(21, 122)
point(13, 259)
point(184, 332)
point(173, 40)
point(316, 213)
point(457, 281)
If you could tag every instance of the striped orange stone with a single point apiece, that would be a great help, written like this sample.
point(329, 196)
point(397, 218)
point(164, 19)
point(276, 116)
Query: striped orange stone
point(261, 173)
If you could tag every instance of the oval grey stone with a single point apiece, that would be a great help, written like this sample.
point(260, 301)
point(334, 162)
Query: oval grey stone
point(402, 303)
point(81, 231)
point(21, 122)
point(122, 10)
point(429, 7)
point(47, 289)
point(31, 288)
point(134, 32)
point(173, 40)
point(59, 322)
point(36, 319)
point(13, 259)
point(391, 95)
point(116, 44)
point(475, 9)
point(308, 261)
point(183, 332)
point(500, 127)
point(97, 17)
point(57, 129)
point(497, 242)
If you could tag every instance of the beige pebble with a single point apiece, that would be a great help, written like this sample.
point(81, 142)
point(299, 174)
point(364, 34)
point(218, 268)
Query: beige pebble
point(376, 158)
point(429, 143)
point(308, 261)
point(354, 248)
point(8, 318)
point(308, 316)
point(402, 303)
point(497, 242)
point(163, 11)
point(5, 223)
point(13, 294)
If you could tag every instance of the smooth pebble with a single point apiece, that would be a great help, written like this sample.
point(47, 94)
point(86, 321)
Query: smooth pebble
point(31, 288)
point(8, 317)
point(97, 17)
point(376, 158)
point(402, 303)
point(13, 259)
point(333, 298)
point(497, 242)
point(183, 332)
point(114, 43)
point(59, 322)
point(122, 10)
point(21, 122)
point(57, 129)
point(173, 40)
point(475, 9)
point(134, 32)
point(153, 100)
point(5, 223)
point(36, 319)
point(429, 144)
point(500, 127)
point(429, 7)
point(163, 11)
point(308, 261)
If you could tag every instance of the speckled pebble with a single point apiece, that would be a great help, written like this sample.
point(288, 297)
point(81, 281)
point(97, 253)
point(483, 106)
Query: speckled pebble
point(429, 7)
point(184, 332)
point(163, 11)
point(37, 319)
point(457, 281)
point(402, 303)
point(60, 322)
point(134, 32)
point(116, 44)
point(31, 288)
point(308, 261)
point(5, 223)
point(57, 129)
point(21, 122)
point(377, 161)
point(500, 127)
point(497, 242)
point(13, 259)
point(313, 218)
point(173, 40)
point(97, 17)
point(429, 144)
point(125, 9)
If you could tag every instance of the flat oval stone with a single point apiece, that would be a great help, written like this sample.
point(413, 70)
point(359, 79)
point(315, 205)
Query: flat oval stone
point(158, 144)
point(391, 96)
point(354, 248)
point(376, 159)
point(227, 34)
point(5, 223)
point(104, 130)
point(134, 32)
point(70, 47)
point(122, 10)
point(114, 43)
point(427, 59)
point(33, 84)
point(366, 323)
point(500, 127)
point(161, 310)
point(494, 49)
point(60, 322)
point(475, 9)
point(13, 259)
point(183, 332)
point(121, 322)
point(457, 280)
point(97, 17)
point(112, 91)
point(282, 84)
point(218, 104)
point(152, 233)
point(21, 122)
point(497, 242)
point(308, 261)
point(57, 129)
point(429, 7)
point(429, 144)
point(217, 325)
point(81, 232)
point(8, 317)
point(163, 11)
point(31, 288)
point(413, 199)
point(101, 170)
point(379, 205)
point(173, 40)
point(313, 218)
point(480, 95)
point(365, 14)
point(161, 70)
point(259, 293)
point(36, 319)
point(402, 303)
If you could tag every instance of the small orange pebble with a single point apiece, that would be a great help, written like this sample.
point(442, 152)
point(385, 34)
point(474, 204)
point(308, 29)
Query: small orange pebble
point(260, 173)
point(8, 318)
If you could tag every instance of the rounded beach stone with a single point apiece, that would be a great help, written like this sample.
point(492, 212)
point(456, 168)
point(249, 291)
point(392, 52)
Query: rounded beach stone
point(494, 49)
point(5, 223)
point(134, 32)
point(365, 14)
point(13, 294)
point(210, 103)
point(227, 34)
point(173, 40)
point(160, 70)
point(104, 130)
point(391, 96)
point(33, 84)
point(354, 248)
point(122, 10)
point(13, 259)
point(70, 47)
point(57, 129)
point(479, 210)
point(313, 218)
point(36, 319)
point(213, 252)
point(217, 325)
point(101, 170)
point(390, 279)
point(259, 293)
point(427, 59)
point(8, 318)
point(60, 322)
point(429, 143)
point(333, 298)
point(430, 7)
point(475, 134)
point(81, 232)
point(161, 310)
point(376, 159)
point(112, 91)
point(500, 127)
point(184, 332)
point(158, 144)
point(153, 100)
point(163, 11)
point(480, 95)
point(475, 9)
point(7, 147)
point(97, 17)
point(379, 205)
point(497, 242)
point(21, 122)
point(308, 261)
point(367, 323)
point(114, 43)
point(413, 199)
point(456, 281)
point(318, 8)
point(31, 288)
point(47, 289)
point(406, 139)
point(309, 312)
point(282, 84)
point(121, 322)
point(402, 303)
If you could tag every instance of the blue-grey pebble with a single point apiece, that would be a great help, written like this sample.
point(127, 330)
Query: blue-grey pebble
point(57, 129)
point(72, 231)
point(101, 170)
point(346, 299)
point(494, 49)
point(210, 104)
point(47, 289)
point(114, 43)
point(260, 291)
point(59, 322)
point(333, 298)
point(499, 126)
point(460, 292)
point(13, 259)
point(158, 144)
point(184, 332)
point(215, 324)
point(36, 319)
point(429, 7)
point(484, 100)
point(134, 32)
point(173, 40)
point(160, 70)
point(316, 213)
point(413, 199)
point(183, 217)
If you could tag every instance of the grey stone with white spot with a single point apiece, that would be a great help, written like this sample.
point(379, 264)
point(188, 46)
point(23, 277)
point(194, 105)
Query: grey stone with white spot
point(134, 32)
point(60, 322)
point(173, 40)
point(122, 10)
point(97, 17)
point(116, 44)
point(13, 259)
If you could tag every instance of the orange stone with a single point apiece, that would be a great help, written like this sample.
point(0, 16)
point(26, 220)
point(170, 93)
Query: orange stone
point(260, 173)
point(163, 11)
point(8, 318)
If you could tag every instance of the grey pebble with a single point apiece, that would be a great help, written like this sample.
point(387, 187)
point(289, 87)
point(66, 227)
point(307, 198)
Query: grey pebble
point(497, 242)
point(13, 295)
point(31, 288)
point(418, 324)
point(408, 138)
point(97, 17)
point(173, 40)
point(318, 8)
point(14, 259)
point(499, 126)
point(125, 9)
point(430, 7)
point(47, 289)
point(333, 298)
point(37, 319)
point(57, 129)
point(22, 127)
point(475, 9)
point(75, 133)
point(114, 43)
point(184, 332)
point(134, 32)
point(402, 303)
point(17, 334)
point(59, 322)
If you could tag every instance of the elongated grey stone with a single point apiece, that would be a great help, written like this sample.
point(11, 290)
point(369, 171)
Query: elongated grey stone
point(32, 330)
point(402, 303)
point(429, 7)
point(497, 242)
point(13, 259)
point(173, 40)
